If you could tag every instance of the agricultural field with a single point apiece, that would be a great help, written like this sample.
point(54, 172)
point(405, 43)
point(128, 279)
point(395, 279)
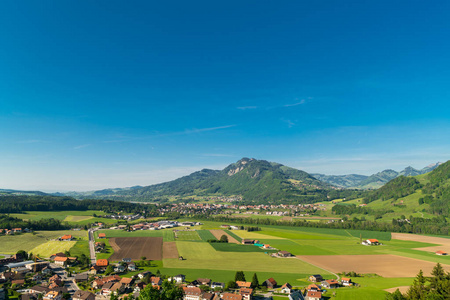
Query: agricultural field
point(46, 250)
point(136, 247)
point(10, 244)
point(73, 217)
point(187, 235)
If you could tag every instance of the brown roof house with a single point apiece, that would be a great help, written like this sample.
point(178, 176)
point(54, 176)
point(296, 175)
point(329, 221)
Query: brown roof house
point(270, 283)
point(83, 295)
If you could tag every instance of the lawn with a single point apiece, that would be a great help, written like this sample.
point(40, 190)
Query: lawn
point(238, 238)
point(60, 215)
point(203, 255)
point(81, 247)
point(187, 236)
point(10, 244)
point(168, 236)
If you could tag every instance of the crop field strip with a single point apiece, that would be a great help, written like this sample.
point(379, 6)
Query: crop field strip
point(219, 232)
point(170, 250)
point(206, 235)
point(187, 236)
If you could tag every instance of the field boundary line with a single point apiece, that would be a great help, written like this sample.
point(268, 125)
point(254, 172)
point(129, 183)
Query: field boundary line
point(337, 276)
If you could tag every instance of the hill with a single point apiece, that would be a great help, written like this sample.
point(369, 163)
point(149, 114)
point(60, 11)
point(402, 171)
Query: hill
point(251, 179)
point(373, 181)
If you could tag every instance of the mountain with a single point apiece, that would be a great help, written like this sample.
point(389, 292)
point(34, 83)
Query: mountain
point(373, 181)
point(18, 192)
point(249, 178)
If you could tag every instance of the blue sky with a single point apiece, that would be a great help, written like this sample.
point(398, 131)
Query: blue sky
point(97, 94)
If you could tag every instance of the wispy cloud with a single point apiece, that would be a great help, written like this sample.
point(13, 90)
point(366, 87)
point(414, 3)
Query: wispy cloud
point(290, 123)
point(30, 141)
point(81, 146)
point(303, 101)
point(246, 107)
point(176, 133)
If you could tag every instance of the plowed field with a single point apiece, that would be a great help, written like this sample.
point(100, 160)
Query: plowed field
point(136, 247)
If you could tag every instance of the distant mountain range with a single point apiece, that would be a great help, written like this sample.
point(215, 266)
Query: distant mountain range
point(373, 181)
point(249, 178)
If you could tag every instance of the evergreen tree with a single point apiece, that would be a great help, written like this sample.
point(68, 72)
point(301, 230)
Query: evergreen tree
point(255, 282)
point(397, 295)
point(239, 276)
point(417, 291)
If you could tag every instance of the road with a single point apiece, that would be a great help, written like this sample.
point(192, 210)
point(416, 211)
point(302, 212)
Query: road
point(92, 245)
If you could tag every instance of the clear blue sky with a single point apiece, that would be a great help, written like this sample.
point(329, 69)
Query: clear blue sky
point(97, 94)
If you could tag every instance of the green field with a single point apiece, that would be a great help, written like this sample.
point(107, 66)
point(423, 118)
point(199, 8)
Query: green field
point(73, 217)
point(10, 244)
point(187, 236)
point(206, 235)
point(230, 247)
point(45, 250)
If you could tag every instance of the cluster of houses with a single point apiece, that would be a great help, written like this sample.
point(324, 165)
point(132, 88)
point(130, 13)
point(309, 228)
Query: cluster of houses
point(315, 290)
point(155, 225)
point(13, 231)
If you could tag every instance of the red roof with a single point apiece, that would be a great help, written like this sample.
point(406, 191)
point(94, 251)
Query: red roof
point(101, 235)
point(314, 294)
point(102, 262)
point(242, 284)
point(373, 240)
point(66, 237)
point(441, 252)
point(59, 258)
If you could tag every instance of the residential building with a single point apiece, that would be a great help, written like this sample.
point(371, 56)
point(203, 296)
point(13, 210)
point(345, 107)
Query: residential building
point(83, 295)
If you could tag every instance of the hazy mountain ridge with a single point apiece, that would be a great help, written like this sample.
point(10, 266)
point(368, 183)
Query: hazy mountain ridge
point(373, 181)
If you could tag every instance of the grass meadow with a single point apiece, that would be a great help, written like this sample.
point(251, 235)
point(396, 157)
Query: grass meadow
point(187, 236)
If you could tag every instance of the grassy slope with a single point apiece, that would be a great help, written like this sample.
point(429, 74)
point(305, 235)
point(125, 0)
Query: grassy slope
point(10, 244)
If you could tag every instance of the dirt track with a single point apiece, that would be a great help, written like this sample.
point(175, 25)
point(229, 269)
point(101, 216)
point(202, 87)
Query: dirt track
point(170, 250)
point(384, 265)
point(218, 233)
point(443, 243)
point(136, 247)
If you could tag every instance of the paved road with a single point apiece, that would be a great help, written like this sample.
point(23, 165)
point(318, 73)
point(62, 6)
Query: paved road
point(92, 244)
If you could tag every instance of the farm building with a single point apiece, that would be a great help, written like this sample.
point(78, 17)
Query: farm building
point(330, 284)
point(102, 263)
point(316, 278)
point(270, 283)
point(284, 254)
point(346, 281)
point(67, 237)
point(440, 252)
point(371, 242)
point(102, 235)
point(248, 242)
point(61, 261)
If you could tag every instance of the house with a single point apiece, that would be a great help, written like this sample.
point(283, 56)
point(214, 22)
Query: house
point(284, 254)
point(81, 277)
point(119, 269)
point(315, 278)
point(143, 274)
point(246, 293)
point(102, 235)
point(139, 286)
point(371, 242)
point(53, 295)
point(247, 242)
point(346, 281)
point(117, 288)
point(156, 281)
point(192, 293)
point(204, 281)
point(217, 285)
point(61, 261)
point(102, 263)
point(230, 296)
point(330, 284)
point(106, 288)
point(18, 282)
point(83, 295)
point(296, 295)
point(131, 266)
point(180, 278)
point(440, 252)
point(270, 283)
point(243, 284)
point(311, 295)
point(66, 237)
point(286, 288)
point(16, 230)
point(314, 287)
point(127, 282)
point(208, 296)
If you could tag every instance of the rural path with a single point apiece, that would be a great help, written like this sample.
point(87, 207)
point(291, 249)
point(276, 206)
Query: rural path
point(337, 276)
point(91, 245)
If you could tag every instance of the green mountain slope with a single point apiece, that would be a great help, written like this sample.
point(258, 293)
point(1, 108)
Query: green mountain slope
point(256, 180)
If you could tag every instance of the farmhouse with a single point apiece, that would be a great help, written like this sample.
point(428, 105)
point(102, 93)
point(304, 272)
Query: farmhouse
point(61, 261)
point(102, 263)
point(286, 288)
point(102, 235)
point(66, 237)
point(284, 254)
point(440, 252)
point(346, 281)
point(315, 278)
point(311, 295)
point(270, 283)
point(179, 278)
point(371, 242)
point(192, 293)
point(330, 284)
point(246, 293)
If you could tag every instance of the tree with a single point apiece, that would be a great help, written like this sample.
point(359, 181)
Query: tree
point(143, 258)
point(22, 253)
point(240, 276)
point(417, 291)
point(397, 295)
point(231, 285)
point(224, 239)
point(255, 282)
point(109, 269)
